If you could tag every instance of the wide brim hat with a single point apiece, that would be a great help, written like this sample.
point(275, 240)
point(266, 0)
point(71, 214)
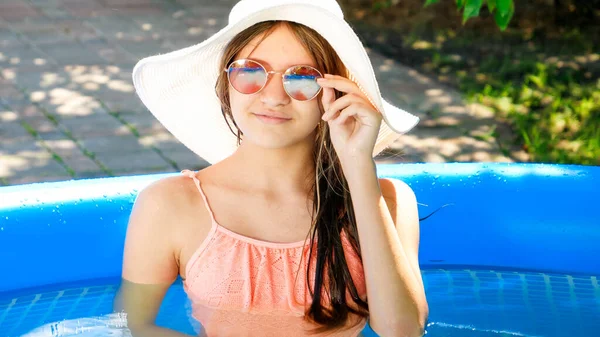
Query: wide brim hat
point(178, 88)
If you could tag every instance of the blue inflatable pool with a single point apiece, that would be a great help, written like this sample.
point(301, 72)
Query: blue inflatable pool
point(514, 251)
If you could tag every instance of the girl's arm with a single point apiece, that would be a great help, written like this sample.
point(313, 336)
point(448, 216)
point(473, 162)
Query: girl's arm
point(388, 229)
point(149, 261)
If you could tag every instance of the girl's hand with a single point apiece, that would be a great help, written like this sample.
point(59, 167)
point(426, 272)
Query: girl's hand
point(353, 121)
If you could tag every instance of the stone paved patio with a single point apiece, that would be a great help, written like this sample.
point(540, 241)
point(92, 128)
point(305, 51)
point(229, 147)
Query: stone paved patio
point(68, 108)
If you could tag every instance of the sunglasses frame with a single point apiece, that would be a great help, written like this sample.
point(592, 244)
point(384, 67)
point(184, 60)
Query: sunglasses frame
point(272, 72)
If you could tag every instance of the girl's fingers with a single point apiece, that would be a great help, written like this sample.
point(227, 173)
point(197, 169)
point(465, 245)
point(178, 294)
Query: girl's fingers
point(327, 98)
point(345, 114)
point(339, 83)
point(339, 105)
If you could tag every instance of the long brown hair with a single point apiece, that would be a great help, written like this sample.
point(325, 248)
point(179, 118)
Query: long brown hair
point(332, 209)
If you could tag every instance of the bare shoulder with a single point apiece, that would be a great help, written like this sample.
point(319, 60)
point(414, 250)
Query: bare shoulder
point(397, 191)
point(168, 195)
point(171, 204)
point(158, 226)
point(168, 189)
point(402, 204)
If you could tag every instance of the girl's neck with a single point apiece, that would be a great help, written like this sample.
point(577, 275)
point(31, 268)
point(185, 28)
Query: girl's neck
point(282, 169)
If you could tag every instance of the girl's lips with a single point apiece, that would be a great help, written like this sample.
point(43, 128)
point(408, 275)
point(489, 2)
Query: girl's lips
point(271, 120)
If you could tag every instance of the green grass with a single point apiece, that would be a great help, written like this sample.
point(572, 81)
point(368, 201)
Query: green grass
point(553, 108)
point(546, 87)
point(547, 90)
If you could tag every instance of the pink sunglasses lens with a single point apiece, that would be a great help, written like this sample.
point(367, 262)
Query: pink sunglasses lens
point(301, 82)
point(246, 76)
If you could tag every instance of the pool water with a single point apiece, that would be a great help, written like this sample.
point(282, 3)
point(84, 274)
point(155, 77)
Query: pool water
point(463, 303)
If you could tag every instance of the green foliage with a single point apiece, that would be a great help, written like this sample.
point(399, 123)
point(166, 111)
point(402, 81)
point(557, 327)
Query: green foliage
point(471, 10)
point(503, 10)
point(546, 89)
point(541, 80)
point(553, 107)
point(381, 4)
point(503, 14)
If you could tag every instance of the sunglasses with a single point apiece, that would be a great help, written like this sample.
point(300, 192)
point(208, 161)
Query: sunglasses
point(249, 77)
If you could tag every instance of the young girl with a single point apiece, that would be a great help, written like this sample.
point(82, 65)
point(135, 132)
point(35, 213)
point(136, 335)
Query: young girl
point(289, 232)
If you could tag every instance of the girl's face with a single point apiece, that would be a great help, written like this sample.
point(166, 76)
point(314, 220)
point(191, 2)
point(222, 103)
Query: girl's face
point(255, 114)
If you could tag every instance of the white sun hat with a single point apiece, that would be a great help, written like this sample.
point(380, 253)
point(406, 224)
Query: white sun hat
point(178, 88)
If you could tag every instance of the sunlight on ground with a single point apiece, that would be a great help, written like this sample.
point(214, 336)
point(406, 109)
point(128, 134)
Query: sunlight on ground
point(68, 92)
point(8, 116)
point(387, 65)
point(23, 161)
point(156, 139)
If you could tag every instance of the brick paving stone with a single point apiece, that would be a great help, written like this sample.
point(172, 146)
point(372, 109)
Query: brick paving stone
point(111, 52)
point(82, 175)
point(32, 24)
point(24, 57)
point(83, 165)
point(161, 25)
point(16, 146)
point(137, 11)
point(121, 102)
point(128, 3)
point(81, 31)
point(71, 154)
point(443, 145)
point(7, 115)
point(124, 161)
point(51, 9)
point(144, 123)
point(37, 164)
point(163, 141)
point(127, 173)
point(78, 106)
point(9, 95)
point(63, 103)
point(95, 125)
point(97, 81)
point(115, 28)
point(42, 81)
point(171, 148)
point(30, 179)
point(115, 89)
point(14, 139)
point(86, 9)
point(17, 73)
point(32, 116)
point(8, 39)
point(17, 11)
point(45, 3)
point(70, 30)
point(55, 13)
point(44, 127)
point(12, 129)
point(113, 144)
point(144, 48)
point(186, 159)
point(47, 37)
point(68, 53)
point(208, 17)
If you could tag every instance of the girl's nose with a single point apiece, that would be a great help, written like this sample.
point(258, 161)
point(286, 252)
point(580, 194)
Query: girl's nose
point(273, 94)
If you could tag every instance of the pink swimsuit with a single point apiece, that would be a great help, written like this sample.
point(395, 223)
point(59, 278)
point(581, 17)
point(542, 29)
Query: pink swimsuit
point(239, 286)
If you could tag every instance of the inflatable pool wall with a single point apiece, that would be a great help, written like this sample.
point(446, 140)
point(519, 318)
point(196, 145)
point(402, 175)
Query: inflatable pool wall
point(497, 216)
